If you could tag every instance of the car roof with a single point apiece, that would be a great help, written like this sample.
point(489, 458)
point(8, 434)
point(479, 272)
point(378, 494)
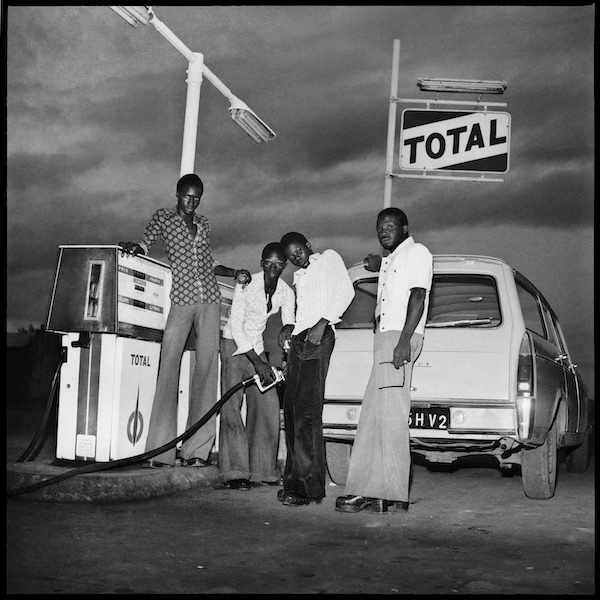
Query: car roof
point(358, 271)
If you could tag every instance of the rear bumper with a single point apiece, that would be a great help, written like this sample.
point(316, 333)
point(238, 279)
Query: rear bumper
point(468, 423)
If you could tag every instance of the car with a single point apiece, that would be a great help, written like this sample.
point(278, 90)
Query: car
point(494, 378)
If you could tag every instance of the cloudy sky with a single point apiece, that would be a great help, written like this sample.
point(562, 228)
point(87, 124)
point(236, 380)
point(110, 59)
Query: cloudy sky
point(95, 120)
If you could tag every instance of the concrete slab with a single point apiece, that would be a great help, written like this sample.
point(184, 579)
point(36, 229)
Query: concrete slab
point(114, 485)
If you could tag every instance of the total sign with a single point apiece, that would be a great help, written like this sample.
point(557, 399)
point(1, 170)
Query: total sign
point(455, 140)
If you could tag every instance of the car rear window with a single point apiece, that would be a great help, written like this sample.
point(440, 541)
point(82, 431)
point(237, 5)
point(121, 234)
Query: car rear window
point(464, 300)
point(454, 301)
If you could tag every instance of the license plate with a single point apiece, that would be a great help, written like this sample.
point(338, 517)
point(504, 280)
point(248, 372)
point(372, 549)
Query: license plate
point(429, 418)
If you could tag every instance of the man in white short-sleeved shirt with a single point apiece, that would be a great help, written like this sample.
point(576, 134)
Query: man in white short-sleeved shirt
point(379, 472)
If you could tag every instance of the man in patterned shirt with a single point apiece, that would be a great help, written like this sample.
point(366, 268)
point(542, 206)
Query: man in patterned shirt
point(195, 302)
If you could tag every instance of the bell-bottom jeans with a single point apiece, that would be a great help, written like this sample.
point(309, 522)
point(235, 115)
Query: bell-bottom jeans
point(305, 467)
point(380, 463)
point(247, 451)
point(205, 318)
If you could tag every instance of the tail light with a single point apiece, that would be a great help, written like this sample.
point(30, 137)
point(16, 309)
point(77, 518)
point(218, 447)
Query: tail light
point(525, 389)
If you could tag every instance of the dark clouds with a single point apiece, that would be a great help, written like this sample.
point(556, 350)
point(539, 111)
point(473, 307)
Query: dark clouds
point(95, 115)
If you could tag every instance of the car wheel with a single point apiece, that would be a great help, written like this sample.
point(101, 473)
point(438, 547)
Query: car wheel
point(338, 461)
point(539, 468)
point(578, 459)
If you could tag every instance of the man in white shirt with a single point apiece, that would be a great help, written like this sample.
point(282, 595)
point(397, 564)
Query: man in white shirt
point(323, 292)
point(379, 470)
point(248, 454)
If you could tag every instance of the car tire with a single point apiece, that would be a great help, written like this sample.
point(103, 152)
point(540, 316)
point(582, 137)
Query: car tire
point(578, 459)
point(338, 461)
point(539, 468)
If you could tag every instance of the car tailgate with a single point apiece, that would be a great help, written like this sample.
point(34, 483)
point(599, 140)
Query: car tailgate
point(456, 363)
point(350, 365)
point(463, 363)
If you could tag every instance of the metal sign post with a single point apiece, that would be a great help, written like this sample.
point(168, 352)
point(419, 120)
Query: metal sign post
point(443, 143)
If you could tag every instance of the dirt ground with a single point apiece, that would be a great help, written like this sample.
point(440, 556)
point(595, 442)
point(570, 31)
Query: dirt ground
point(471, 531)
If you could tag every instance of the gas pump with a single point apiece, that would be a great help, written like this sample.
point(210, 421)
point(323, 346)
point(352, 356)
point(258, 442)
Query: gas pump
point(111, 310)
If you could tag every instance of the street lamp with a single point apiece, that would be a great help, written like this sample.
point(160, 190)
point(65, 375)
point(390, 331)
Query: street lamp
point(241, 114)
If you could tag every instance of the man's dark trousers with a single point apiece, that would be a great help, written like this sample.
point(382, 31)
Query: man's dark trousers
point(302, 410)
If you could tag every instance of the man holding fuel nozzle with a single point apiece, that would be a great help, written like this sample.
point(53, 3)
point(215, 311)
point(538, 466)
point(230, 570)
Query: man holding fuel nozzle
point(248, 453)
point(195, 303)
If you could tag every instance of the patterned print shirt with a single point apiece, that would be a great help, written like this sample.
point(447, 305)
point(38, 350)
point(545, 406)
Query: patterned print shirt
point(192, 264)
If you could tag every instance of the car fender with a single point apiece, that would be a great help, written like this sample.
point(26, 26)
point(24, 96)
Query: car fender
point(543, 420)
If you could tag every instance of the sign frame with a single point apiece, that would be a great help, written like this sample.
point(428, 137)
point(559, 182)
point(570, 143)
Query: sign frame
point(437, 138)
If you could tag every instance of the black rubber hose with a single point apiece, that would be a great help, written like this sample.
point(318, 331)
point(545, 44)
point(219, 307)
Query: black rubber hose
point(93, 467)
point(33, 448)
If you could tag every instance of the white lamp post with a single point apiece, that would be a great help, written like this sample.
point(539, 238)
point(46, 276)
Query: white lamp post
point(246, 118)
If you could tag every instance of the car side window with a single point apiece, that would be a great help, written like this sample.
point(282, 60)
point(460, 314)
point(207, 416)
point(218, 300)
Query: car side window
point(552, 331)
point(361, 312)
point(530, 308)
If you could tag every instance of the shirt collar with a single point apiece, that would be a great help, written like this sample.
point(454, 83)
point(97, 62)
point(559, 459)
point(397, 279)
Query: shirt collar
point(409, 241)
point(196, 218)
point(311, 259)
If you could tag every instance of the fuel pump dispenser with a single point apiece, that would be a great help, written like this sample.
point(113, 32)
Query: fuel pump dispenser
point(111, 310)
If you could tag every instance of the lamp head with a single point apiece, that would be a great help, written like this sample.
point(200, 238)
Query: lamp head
point(134, 15)
point(479, 86)
point(250, 122)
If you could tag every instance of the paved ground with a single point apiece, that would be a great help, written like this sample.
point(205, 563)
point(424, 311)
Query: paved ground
point(468, 532)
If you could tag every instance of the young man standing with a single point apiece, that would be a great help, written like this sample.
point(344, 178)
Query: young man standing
point(195, 302)
point(379, 470)
point(323, 292)
point(248, 454)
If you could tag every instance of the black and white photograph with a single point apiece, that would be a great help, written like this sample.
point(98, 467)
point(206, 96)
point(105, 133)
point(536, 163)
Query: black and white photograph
point(300, 299)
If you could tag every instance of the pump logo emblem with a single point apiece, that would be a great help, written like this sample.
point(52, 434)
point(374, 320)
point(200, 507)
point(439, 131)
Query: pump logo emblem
point(135, 424)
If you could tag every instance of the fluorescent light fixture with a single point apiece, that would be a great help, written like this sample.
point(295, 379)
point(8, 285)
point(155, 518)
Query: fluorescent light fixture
point(478, 86)
point(246, 118)
point(134, 15)
point(249, 121)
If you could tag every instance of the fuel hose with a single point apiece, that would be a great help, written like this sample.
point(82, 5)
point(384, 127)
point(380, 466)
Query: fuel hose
point(94, 467)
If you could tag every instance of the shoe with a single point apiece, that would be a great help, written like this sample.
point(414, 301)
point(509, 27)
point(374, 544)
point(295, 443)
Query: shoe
point(294, 499)
point(398, 505)
point(239, 484)
point(281, 494)
point(155, 464)
point(276, 482)
point(194, 462)
point(355, 504)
